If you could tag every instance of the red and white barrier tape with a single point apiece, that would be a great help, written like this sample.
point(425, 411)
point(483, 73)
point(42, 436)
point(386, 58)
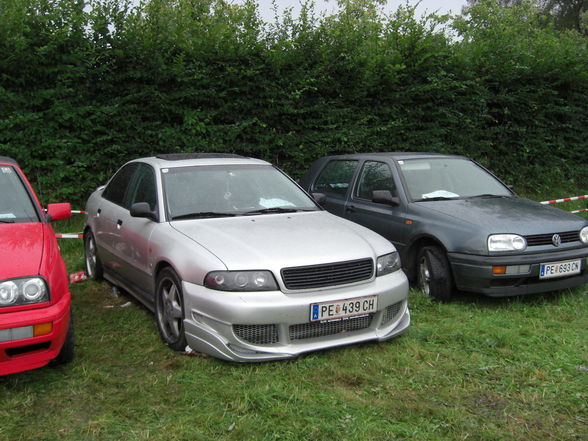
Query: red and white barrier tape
point(73, 235)
point(583, 210)
point(71, 211)
point(559, 201)
point(70, 236)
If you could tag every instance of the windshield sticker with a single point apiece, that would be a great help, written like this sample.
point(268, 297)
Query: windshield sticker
point(164, 170)
point(440, 194)
point(415, 165)
point(401, 162)
point(6, 170)
point(7, 216)
point(273, 203)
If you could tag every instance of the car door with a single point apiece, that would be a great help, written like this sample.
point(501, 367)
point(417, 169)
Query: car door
point(106, 215)
point(383, 218)
point(334, 181)
point(134, 233)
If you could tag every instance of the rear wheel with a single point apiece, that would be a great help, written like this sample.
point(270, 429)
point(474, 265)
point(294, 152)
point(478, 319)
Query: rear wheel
point(169, 309)
point(434, 273)
point(94, 268)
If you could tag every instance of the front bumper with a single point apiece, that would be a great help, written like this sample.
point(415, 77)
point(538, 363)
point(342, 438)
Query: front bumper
point(474, 273)
point(21, 354)
point(261, 326)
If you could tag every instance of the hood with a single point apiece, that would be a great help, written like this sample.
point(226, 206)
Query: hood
point(21, 249)
point(508, 215)
point(283, 240)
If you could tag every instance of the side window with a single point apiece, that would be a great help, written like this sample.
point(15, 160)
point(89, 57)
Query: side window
point(335, 177)
point(143, 188)
point(117, 187)
point(374, 176)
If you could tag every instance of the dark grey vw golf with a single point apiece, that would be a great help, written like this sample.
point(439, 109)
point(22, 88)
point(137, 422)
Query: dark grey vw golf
point(454, 223)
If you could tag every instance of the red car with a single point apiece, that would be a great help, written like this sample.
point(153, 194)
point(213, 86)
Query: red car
point(35, 303)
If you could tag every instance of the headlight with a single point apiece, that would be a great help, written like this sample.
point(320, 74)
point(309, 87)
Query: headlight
point(387, 264)
point(241, 281)
point(584, 235)
point(506, 242)
point(23, 291)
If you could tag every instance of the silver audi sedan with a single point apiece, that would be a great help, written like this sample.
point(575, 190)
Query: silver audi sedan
point(238, 262)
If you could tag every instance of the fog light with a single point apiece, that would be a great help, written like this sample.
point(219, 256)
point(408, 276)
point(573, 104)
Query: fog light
point(518, 269)
point(43, 329)
point(498, 270)
point(19, 333)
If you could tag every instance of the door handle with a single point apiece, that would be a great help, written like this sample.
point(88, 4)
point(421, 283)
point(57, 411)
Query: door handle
point(118, 224)
point(350, 209)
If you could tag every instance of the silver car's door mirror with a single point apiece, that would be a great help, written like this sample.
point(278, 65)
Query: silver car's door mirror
point(142, 209)
point(319, 198)
point(385, 197)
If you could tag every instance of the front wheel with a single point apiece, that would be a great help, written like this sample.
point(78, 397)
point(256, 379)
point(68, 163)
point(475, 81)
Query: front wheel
point(94, 268)
point(169, 309)
point(66, 353)
point(434, 273)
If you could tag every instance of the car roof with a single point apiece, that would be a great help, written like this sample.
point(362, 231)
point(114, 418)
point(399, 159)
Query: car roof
point(194, 159)
point(7, 160)
point(397, 156)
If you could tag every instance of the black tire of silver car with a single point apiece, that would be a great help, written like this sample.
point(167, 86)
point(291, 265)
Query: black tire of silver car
point(433, 273)
point(66, 353)
point(94, 269)
point(169, 309)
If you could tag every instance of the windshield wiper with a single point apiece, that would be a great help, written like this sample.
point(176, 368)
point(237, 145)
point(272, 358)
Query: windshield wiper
point(201, 214)
point(6, 221)
point(487, 195)
point(276, 210)
point(437, 198)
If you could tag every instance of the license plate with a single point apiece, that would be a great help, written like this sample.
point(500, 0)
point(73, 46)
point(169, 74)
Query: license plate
point(339, 309)
point(559, 269)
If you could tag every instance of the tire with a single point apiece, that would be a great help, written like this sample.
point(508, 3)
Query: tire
point(94, 268)
point(169, 309)
point(67, 350)
point(434, 274)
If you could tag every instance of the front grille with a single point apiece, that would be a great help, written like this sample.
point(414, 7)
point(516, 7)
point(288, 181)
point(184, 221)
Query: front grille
point(257, 334)
point(303, 331)
point(546, 239)
point(390, 313)
point(330, 274)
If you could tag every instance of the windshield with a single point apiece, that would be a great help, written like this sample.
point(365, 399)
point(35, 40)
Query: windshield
point(448, 178)
point(230, 190)
point(15, 202)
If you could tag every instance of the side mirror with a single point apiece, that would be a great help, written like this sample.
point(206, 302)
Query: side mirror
point(319, 198)
point(142, 209)
point(57, 212)
point(385, 197)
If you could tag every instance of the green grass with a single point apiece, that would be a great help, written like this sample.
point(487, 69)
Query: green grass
point(474, 369)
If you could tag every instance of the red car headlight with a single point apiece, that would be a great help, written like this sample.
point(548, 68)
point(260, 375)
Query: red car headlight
point(23, 291)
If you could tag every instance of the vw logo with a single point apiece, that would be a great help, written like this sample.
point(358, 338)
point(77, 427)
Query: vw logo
point(556, 239)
